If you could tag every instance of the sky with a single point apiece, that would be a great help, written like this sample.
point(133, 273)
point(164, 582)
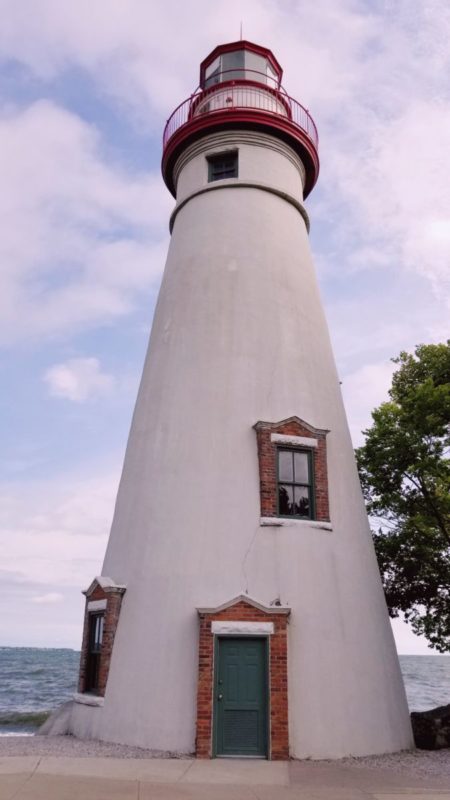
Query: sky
point(85, 89)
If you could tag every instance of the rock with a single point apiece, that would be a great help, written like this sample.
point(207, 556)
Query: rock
point(431, 728)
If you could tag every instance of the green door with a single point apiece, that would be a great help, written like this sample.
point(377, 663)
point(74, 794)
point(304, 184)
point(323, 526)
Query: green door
point(240, 702)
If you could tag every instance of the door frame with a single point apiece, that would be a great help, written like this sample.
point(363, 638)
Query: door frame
point(215, 715)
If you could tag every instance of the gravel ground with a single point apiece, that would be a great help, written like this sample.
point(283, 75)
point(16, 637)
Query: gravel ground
point(423, 763)
point(69, 746)
point(420, 763)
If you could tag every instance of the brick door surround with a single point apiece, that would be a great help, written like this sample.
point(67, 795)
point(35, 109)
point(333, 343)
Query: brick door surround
point(236, 613)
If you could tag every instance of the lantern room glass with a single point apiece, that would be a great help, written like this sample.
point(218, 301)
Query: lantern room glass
point(240, 65)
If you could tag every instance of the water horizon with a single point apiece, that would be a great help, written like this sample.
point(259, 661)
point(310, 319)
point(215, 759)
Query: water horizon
point(34, 681)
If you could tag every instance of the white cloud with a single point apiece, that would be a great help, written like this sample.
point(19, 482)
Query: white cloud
point(86, 237)
point(47, 599)
point(364, 390)
point(81, 225)
point(398, 189)
point(78, 379)
point(125, 47)
point(27, 623)
point(56, 530)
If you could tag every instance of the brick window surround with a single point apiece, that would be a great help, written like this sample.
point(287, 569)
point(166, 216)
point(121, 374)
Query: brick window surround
point(267, 456)
point(245, 609)
point(106, 594)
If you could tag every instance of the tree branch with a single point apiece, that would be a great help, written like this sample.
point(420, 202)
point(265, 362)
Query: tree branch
point(437, 514)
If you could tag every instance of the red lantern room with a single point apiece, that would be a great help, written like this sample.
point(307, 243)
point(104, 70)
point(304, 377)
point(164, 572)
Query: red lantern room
point(240, 87)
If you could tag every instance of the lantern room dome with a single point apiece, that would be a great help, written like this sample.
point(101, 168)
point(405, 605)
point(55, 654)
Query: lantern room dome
point(240, 88)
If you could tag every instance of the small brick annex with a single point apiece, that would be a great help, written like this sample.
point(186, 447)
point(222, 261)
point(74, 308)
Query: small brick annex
point(267, 456)
point(245, 609)
point(105, 591)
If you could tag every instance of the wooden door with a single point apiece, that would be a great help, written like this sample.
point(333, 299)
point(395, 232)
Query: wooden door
point(241, 697)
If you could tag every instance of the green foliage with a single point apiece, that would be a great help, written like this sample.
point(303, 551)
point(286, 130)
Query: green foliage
point(404, 468)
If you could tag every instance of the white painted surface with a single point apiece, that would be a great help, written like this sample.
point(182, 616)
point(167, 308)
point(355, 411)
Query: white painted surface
point(88, 699)
point(261, 158)
point(238, 336)
point(97, 605)
point(282, 438)
point(249, 628)
point(285, 522)
point(237, 183)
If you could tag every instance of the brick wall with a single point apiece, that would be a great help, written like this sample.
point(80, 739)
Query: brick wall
point(112, 613)
point(278, 681)
point(267, 455)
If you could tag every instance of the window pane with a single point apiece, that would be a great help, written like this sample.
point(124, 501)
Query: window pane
point(285, 466)
point(213, 67)
point(232, 61)
point(212, 73)
point(273, 80)
point(96, 632)
point(255, 67)
point(285, 500)
point(302, 504)
point(213, 79)
point(93, 672)
point(301, 462)
point(99, 631)
point(224, 166)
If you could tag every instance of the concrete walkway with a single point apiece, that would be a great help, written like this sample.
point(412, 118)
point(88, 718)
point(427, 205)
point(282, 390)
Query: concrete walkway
point(58, 778)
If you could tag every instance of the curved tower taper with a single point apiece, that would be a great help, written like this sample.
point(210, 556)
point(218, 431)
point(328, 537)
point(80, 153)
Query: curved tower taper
point(240, 609)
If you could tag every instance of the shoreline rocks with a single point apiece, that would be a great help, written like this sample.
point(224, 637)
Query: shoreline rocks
point(431, 728)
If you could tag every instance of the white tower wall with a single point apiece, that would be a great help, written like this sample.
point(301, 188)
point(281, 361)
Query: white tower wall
point(238, 336)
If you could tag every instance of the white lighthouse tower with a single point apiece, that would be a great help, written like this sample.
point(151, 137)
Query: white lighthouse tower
point(240, 609)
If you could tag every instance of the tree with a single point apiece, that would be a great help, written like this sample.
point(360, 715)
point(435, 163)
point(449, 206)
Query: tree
point(405, 474)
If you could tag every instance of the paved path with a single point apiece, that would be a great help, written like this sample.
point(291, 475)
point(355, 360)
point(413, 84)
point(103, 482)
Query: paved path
point(58, 778)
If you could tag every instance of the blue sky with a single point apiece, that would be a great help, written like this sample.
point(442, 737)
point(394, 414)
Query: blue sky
point(85, 92)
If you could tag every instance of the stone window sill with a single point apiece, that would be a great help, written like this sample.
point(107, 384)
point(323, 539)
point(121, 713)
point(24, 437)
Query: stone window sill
point(285, 522)
point(88, 699)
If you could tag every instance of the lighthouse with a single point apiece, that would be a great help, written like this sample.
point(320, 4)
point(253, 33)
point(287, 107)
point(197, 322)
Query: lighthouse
point(240, 610)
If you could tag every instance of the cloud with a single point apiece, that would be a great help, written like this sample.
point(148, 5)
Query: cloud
point(56, 530)
point(399, 192)
point(124, 47)
point(82, 224)
point(88, 236)
point(78, 379)
point(26, 623)
point(364, 390)
point(48, 598)
point(53, 536)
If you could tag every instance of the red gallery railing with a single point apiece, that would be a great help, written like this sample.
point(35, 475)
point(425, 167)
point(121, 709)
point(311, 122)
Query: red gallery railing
point(240, 95)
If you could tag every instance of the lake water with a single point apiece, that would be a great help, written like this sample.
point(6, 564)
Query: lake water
point(35, 681)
